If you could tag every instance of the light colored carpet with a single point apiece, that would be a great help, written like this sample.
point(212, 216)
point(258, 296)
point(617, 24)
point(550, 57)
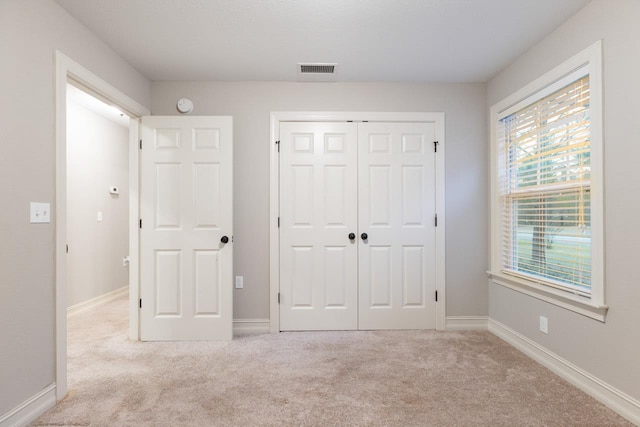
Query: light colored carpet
point(393, 378)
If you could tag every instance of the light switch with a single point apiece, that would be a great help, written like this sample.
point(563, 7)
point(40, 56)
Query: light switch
point(99, 216)
point(544, 325)
point(40, 212)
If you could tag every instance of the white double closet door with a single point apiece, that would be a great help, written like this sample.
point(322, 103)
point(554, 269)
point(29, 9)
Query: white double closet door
point(357, 232)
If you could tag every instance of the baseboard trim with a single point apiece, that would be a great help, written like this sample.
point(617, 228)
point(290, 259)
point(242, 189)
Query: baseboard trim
point(94, 302)
point(623, 404)
point(251, 326)
point(30, 409)
point(466, 323)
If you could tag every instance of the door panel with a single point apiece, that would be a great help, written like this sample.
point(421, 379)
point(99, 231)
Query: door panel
point(335, 283)
point(396, 208)
point(380, 278)
point(207, 282)
point(186, 208)
point(318, 210)
point(168, 282)
point(168, 195)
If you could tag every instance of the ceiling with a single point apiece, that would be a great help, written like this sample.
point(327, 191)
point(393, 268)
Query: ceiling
point(83, 99)
point(371, 40)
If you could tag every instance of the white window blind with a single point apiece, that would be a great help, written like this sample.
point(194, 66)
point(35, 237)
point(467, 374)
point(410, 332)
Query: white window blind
point(544, 189)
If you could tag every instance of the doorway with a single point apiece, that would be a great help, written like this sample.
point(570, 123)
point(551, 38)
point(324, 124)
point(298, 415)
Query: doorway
point(358, 204)
point(67, 71)
point(97, 201)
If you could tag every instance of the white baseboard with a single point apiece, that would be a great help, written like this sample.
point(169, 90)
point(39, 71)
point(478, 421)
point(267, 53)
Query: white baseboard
point(466, 323)
point(94, 302)
point(31, 409)
point(250, 326)
point(615, 399)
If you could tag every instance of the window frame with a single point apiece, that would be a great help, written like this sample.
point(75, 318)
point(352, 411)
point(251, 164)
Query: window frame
point(590, 59)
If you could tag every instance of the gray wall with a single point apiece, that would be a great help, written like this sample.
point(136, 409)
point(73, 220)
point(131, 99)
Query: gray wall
point(611, 350)
point(250, 105)
point(31, 30)
point(97, 158)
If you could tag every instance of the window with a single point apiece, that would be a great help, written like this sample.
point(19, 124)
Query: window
point(547, 187)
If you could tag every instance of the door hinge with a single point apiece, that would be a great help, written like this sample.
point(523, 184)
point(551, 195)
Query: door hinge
point(141, 144)
point(435, 146)
point(278, 144)
point(67, 248)
point(278, 222)
point(278, 297)
point(436, 296)
point(140, 223)
point(436, 220)
point(140, 302)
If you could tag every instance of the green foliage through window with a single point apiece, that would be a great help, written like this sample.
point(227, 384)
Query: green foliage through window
point(545, 189)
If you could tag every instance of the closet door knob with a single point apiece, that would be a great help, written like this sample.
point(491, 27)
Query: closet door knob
point(352, 236)
point(364, 236)
point(224, 239)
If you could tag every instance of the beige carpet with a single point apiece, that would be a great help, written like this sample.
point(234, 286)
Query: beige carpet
point(395, 378)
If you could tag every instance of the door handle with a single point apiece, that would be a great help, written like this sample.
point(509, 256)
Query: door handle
point(364, 236)
point(224, 239)
point(352, 236)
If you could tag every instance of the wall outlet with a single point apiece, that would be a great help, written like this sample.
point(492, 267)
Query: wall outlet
point(239, 282)
point(544, 325)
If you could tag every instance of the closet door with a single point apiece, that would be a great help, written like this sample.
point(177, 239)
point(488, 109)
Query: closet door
point(396, 193)
point(318, 211)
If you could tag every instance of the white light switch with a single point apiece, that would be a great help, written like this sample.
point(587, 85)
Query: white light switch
point(99, 216)
point(544, 325)
point(239, 282)
point(40, 212)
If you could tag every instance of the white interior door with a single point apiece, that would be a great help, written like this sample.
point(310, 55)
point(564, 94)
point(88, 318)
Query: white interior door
point(186, 212)
point(396, 176)
point(318, 211)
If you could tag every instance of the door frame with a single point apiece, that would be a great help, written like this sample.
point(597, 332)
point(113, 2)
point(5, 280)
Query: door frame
point(276, 117)
point(69, 71)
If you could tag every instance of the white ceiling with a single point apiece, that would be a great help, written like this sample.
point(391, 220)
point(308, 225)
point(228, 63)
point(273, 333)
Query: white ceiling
point(371, 40)
point(80, 98)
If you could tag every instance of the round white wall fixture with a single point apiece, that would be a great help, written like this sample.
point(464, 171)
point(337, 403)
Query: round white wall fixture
point(185, 105)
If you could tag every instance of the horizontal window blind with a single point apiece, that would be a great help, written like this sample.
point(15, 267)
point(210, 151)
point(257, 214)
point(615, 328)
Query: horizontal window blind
point(544, 182)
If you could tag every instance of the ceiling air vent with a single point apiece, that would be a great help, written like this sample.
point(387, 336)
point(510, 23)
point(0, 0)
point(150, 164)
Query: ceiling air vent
point(317, 71)
point(317, 68)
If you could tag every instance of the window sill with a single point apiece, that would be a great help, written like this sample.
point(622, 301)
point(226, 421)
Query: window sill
point(575, 303)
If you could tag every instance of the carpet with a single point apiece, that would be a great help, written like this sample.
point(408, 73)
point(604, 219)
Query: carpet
point(359, 378)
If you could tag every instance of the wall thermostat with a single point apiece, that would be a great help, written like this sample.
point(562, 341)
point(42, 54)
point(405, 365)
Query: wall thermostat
point(185, 105)
point(114, 190)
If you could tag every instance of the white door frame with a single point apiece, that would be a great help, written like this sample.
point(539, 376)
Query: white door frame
point(69, 70)
point(274, 195)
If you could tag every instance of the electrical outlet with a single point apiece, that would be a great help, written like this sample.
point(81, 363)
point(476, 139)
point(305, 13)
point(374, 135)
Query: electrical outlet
point(544, 325)
point(239, 282)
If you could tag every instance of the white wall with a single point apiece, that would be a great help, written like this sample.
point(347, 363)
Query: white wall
point(250, 105)
point(610, 351)
point(97, 158)
point(30, 32)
